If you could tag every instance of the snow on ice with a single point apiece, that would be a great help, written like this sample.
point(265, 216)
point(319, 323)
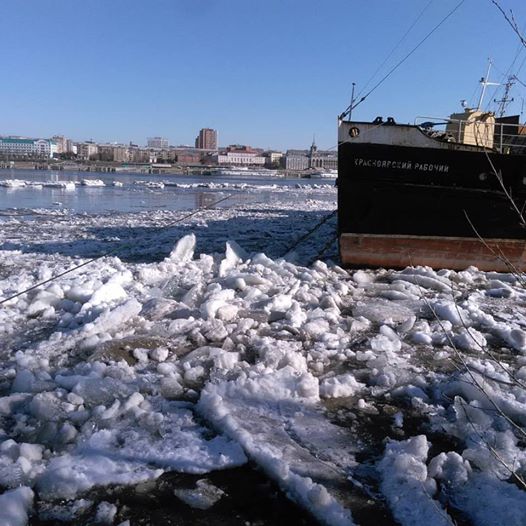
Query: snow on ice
point(198, 347)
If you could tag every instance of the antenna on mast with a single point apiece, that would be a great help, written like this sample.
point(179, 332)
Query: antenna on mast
point(505, 98)
point(485, 83)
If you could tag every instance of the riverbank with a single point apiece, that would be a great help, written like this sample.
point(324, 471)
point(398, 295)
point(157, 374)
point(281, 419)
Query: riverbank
point(135, 168)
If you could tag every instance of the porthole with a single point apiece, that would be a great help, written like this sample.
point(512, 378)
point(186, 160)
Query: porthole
point(354, 132)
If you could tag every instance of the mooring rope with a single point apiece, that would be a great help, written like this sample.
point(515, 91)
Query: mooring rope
point(110, 252)
point(310, 232)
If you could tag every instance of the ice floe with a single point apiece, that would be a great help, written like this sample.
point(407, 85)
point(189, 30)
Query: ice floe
point(404, 389)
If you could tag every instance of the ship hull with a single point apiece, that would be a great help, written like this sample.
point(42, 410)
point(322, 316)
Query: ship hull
point(446, 208)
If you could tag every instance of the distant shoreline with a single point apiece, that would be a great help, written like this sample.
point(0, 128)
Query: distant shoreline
point(103, 168)
point(123, 169)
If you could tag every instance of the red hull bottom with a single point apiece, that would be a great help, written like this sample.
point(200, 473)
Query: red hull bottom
point(456, 253)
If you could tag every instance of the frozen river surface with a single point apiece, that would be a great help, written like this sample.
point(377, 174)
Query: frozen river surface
point(35, 189)
point(223, 369)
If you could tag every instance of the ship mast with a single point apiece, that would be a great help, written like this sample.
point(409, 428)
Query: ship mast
point(485, 83)
point(352, 100)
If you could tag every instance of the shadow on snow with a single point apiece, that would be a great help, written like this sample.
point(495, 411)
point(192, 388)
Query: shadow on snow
point(275, 234)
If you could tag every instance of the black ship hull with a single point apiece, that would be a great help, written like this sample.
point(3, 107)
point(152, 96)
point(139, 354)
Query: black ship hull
point(443, 207)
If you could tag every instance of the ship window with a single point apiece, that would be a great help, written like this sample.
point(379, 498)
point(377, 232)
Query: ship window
point(354, 131)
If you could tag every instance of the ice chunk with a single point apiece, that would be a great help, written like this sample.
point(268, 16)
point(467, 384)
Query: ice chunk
point(316, 328)
point(79, 293)
point(171, 388)
point(24, 382)
point(15, 506)
point(470, 340)
point(95, 391)
point(110, 320)
point(159, 354)
point(382, 311)
point(141, 355)
point(250, 410)
point(406, 485)
point(70, 475)
point(280, 302)
point(386, 342)
point(183, 250)
point(105, 513)
point(278, 355)
point(42, 301)
point(488, 501)
point(422, 338)
point(64, 512)
point(13, 403)
point(32, 452)
point(425, 278)
point(362, 277)
point(340, 386)
point(450, 311)
point(450, 467)
point(227, 312)
point(234, 255)
point(159, 308)
point(10, 449)
point(107, 293)
point(203, 497)
point(514, 337)
point(171, 440)
point(46, 407)
point(217, 300)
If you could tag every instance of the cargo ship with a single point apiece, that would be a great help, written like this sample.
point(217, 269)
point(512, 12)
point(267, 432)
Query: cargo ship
point(445, 193)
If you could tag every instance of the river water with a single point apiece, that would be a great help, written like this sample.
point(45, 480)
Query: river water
point(192, 191)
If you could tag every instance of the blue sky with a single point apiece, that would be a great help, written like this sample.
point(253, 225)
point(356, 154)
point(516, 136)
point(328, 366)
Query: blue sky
point(269, 73)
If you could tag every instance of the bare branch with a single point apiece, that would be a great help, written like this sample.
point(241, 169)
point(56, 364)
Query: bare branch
point(511, 21)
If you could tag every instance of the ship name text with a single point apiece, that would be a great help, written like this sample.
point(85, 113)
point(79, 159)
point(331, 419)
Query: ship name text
point(401, 165)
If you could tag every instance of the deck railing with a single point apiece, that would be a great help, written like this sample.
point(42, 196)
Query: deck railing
point(506, 137)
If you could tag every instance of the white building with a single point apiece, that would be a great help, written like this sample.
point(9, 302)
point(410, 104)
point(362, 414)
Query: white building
point(304, 159)
point(240, 158)
point(17, 147)
point(273, 158)
point(64, 145)
point(297, 160)
point(157, 142)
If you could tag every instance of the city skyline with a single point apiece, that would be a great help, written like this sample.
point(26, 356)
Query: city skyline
point(149, 142)
point(155, 142)
point(59, 149)
point(269, 73)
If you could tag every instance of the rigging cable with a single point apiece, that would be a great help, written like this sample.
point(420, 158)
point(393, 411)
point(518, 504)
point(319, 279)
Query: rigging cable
point(507, 78)
point(397, 45)
point(108, 253)
point(398, 64)
point(520, 82)
point(310, 232)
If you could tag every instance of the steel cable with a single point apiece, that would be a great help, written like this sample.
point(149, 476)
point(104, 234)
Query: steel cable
point(108, 253)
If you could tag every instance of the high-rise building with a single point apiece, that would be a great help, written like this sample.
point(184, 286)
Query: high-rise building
point(157, 142)
point(207, 139)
